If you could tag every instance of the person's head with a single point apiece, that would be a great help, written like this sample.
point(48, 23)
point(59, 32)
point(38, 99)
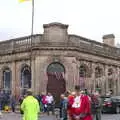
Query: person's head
point(49, 94)
point(73, 93)
point(77, 89)
point(67, 93)
point(29, 92)
point(97, 94)
point(62, 96)
point(82, 92)
point(86, 91)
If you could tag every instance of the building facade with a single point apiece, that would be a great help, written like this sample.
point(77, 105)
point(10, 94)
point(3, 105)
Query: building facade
point(56, 61)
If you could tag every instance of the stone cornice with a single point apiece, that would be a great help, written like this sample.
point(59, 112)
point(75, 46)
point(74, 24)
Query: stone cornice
point(72, 48)
point(55, 24)
point(75, 43)
point(70, 52)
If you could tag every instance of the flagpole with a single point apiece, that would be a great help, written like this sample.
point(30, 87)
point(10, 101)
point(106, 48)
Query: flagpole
point(32, 27)
point(32, 32)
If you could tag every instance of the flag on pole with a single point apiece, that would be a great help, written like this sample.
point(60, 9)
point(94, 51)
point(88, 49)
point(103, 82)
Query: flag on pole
point(24, 0)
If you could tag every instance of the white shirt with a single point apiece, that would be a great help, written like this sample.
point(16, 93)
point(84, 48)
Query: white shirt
point(49, 99)
point(77, 102)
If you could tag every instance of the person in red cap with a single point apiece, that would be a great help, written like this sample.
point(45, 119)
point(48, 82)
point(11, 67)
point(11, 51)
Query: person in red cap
point(79, 106)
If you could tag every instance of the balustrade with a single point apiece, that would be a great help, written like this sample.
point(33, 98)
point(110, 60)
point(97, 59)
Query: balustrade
point(83, 44)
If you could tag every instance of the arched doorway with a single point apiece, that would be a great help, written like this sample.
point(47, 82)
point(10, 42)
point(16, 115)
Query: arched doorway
point(25, 79)
point(56, 82)
point(7, 77)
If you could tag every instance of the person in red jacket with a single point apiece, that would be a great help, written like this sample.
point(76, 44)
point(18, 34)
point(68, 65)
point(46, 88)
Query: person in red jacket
point(44, 102)
point(79, 106)
point(70, 102)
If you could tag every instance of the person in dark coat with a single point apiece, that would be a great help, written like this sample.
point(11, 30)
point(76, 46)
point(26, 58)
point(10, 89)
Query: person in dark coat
point(13, 102)
point(96, 106)
point(20, 101)
point(1, 100)
point(63, 107)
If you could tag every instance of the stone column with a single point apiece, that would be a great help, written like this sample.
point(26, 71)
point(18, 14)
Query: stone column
point(114, 80)
point(118, 81)
point(103, 82)
point(1, 78)
point(75, 73)
point(18, 77)
point(41, 73)
point(13, 82)
point(93, 77)
point(33, 78)
point(70, 65)
point(36, 78)
point(106, 79)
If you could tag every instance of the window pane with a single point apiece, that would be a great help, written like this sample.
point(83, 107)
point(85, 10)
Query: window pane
point(7, 79)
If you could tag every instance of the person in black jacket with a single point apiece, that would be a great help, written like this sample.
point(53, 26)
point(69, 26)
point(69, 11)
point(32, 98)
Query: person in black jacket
point(63, 107)
point(13, 102)
point(20, 101)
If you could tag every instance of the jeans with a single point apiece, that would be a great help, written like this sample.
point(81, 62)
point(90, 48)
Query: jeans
point(97, 116)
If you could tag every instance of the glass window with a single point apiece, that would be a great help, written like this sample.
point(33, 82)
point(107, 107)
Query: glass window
point(55, 67)
point(7, 79)
point(26, 77)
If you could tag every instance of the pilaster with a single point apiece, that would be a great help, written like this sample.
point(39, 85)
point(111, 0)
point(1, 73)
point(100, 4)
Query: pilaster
point(118, 81)
point(33, 74)
point(93, 83)
point(1, 78)
point(106, 79)
point(13, 78)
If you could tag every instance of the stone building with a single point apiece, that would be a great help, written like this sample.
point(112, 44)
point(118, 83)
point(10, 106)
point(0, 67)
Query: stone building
point(55, 61)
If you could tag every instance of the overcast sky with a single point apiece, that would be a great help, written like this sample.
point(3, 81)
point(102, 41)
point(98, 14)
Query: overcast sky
point(87, 18)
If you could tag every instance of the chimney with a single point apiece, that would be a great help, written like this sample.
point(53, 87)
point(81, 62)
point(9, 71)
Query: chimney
point(109, 39)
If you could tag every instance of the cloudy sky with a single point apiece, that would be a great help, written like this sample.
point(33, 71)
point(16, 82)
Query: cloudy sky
point(87, 18)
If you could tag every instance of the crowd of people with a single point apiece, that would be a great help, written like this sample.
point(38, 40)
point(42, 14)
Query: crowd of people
point(80, 105)
point(75, 105)
point(46, 102)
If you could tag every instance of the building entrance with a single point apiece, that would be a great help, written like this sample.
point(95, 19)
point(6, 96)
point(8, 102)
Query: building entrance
point(56, 82)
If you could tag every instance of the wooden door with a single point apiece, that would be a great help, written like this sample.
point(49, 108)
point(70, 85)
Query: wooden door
point(56, 82)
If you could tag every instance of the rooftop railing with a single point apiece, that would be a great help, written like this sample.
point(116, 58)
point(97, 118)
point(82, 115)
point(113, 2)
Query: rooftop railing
point(94, 47)
point(80, 43)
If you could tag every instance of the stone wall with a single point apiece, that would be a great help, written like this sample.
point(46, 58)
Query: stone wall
point(72, 51)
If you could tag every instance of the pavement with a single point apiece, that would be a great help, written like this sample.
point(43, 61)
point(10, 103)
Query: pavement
point(17, 116)
point(111, 117)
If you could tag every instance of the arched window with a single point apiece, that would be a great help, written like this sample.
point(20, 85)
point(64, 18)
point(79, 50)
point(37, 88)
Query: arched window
point(56, 67)
point(98, 72)
point(7, 77)
point(110, 78)
point(98, 75)
point(110, 71)
point(83, 74)
point(25, 78)
point(82, 71)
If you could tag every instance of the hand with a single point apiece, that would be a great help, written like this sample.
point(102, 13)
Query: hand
point(77, 117)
